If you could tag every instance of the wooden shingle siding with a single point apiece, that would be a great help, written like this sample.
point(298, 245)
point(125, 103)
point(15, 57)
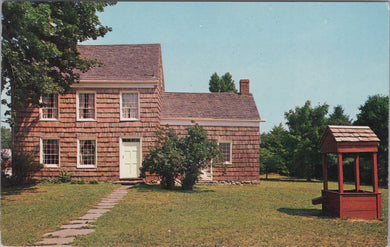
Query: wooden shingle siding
point(107, 129)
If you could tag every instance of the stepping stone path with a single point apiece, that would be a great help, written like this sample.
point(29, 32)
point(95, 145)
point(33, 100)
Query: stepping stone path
point(81, 226)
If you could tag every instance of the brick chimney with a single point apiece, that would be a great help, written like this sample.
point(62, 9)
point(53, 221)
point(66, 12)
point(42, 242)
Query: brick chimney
point(244, 86)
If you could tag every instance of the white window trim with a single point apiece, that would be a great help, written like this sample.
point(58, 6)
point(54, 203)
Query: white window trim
point(78, 152)
point(231, 152)
point(138, 103)
point(41, 152)
point(41, 118)
point(78, 103)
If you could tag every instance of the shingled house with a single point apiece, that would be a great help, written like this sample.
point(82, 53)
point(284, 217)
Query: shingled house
point(103, 128)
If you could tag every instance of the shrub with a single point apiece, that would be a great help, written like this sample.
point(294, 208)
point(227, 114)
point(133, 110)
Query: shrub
point(78, 181)
point(199, 152)
point(165, 158)
point(173, 157)
point(64, 176)
point(24, 167)
point(94, 181)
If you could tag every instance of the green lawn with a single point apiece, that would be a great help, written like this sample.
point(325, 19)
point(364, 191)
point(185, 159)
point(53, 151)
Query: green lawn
point(28, 213)
point(273, 213)
point(277, 212)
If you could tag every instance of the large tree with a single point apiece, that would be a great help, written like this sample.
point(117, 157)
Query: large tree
point(222, 84)
point(297, 149)
point(39, 47)
point(306, 126)
point(375, 113)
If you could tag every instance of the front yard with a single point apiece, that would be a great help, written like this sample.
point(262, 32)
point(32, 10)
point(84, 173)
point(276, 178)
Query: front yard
point(273, 213)
point(28, 213)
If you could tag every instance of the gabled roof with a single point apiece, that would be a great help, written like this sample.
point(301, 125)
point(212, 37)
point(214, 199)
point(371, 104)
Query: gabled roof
point(352, 133)
point(348, 138)
point(138, 63)
point(217, 106)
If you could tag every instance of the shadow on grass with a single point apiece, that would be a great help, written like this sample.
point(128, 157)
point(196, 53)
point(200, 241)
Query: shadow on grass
point(302, 212)
point(176, 189)
point(18, 189)
point(296, 180)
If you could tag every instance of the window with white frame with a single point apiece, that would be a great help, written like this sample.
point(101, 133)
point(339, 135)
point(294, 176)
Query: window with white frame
point(226, 149)
point(129, 106)
point(50, 152)
point(87, 153)
point(86, 106)
point(49, 109)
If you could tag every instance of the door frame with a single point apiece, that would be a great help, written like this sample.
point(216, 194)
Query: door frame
point(139, 153)
point(211, 173)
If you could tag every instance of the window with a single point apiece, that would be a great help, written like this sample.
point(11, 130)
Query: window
point(226, 149)
point(50, 152)
point(129, 106)
point(49, 110)
point(87, 153)
point(86, 106)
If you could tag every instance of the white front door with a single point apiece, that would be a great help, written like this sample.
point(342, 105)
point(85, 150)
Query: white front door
point(129, 158)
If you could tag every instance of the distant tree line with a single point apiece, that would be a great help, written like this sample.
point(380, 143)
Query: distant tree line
point(295, 150)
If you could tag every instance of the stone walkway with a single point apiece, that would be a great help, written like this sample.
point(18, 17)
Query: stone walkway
point(82, 226)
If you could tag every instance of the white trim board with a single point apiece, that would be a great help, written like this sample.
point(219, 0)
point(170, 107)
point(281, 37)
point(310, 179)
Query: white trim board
point(212, 122)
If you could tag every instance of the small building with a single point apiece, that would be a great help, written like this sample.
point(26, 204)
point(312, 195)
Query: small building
point(104, 126)
point(355, 203)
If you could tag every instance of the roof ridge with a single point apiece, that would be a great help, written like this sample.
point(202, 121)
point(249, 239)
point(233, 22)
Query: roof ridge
point(121, 44)
point(348, 127)
point(215, 93)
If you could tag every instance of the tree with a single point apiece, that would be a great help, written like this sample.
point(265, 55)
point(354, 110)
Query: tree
point(375, 114)
point(223, 84)
point(5, 137)
point(273, 157)
point(39, 47)
point(338, 117)
point(214, 83)
point(306, 126)
point(172, 157)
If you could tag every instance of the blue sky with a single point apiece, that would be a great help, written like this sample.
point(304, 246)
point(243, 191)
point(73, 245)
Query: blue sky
point(334, 53)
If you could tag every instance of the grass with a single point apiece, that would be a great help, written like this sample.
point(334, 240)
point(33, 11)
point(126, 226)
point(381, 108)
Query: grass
point(29, 212)
point(277, 212)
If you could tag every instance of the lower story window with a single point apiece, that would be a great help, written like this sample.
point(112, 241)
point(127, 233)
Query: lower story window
point(226, 149)
point(87, 153)
point(50, 154)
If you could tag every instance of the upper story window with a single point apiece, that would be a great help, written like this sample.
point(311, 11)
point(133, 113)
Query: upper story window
point(50, 152)
point(129, 106)
point(226, 149)
point(49, 110)
point(86, 106)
